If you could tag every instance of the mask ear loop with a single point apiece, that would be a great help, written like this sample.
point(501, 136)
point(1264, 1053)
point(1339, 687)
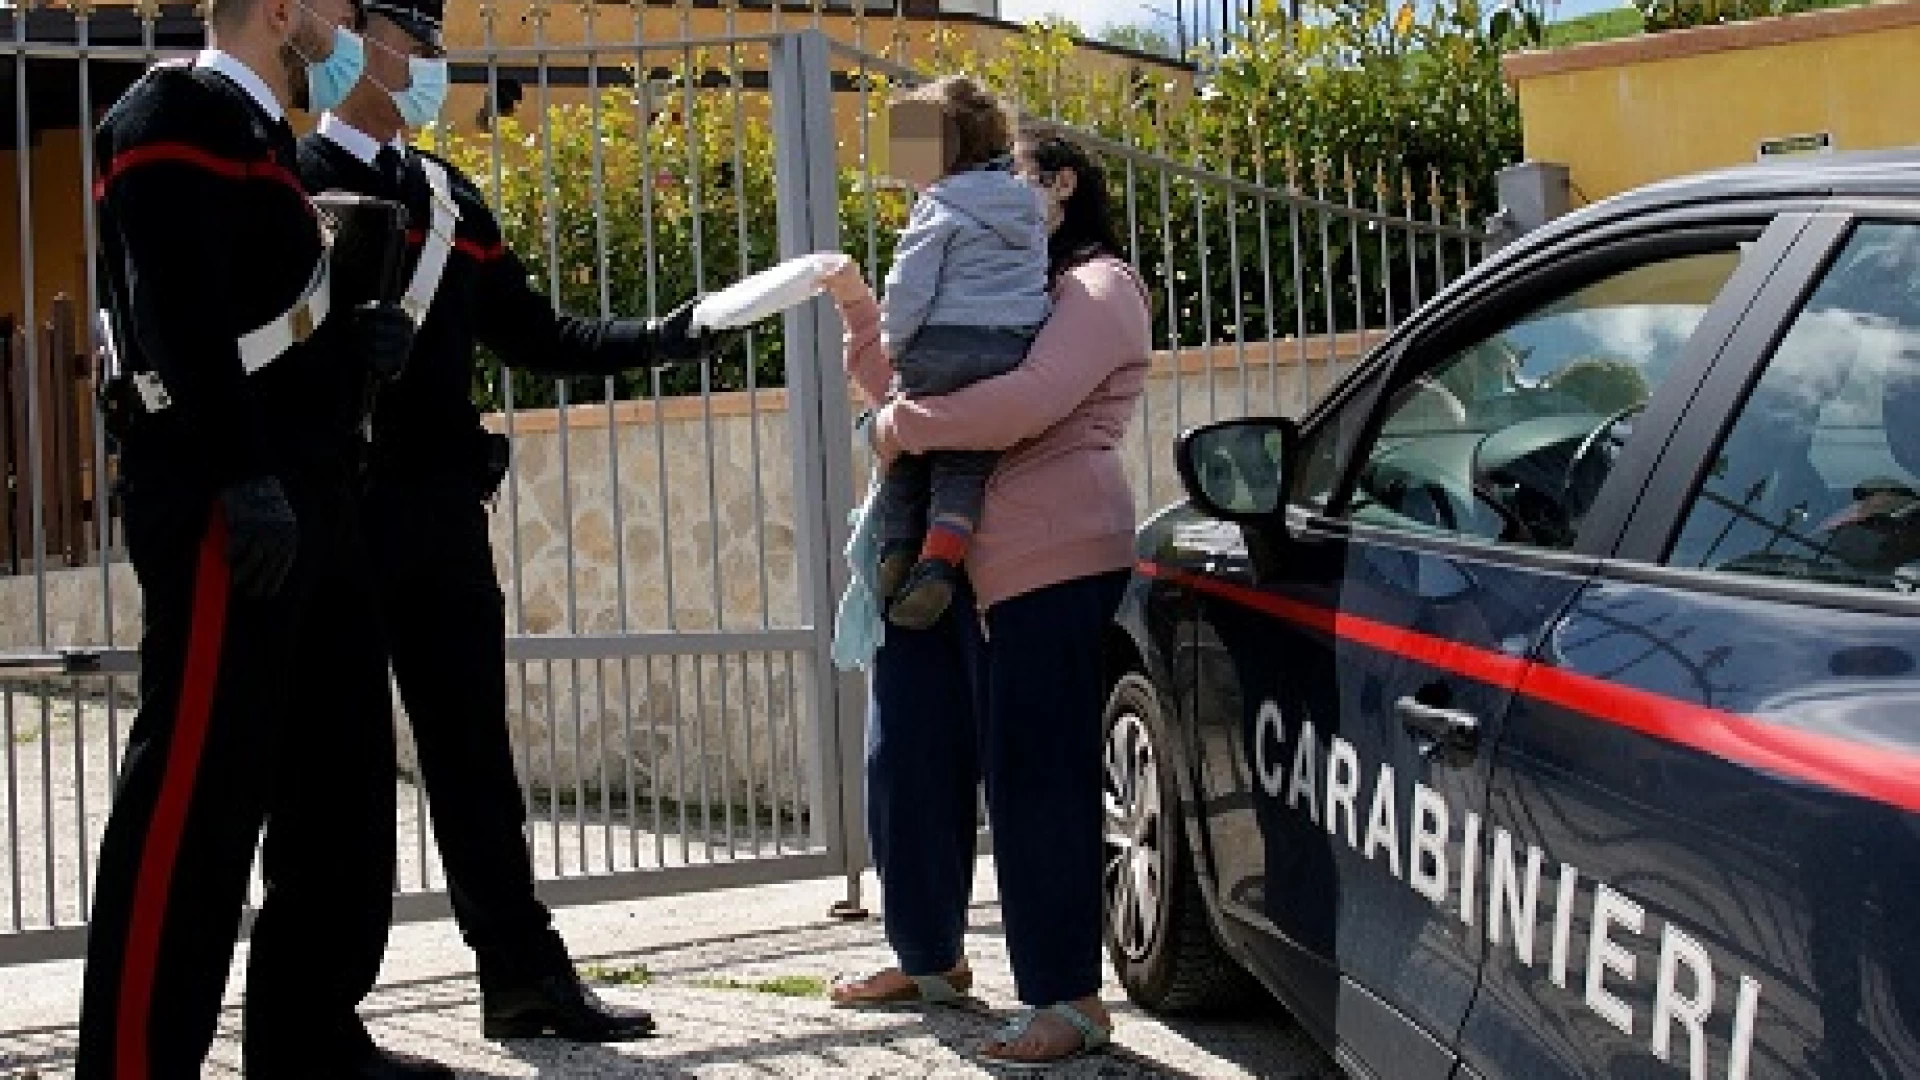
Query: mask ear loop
point(390, 51)
point(396, 54)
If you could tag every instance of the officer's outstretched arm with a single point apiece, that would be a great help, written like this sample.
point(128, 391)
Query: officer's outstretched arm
point(171, 233)
point(521, 325)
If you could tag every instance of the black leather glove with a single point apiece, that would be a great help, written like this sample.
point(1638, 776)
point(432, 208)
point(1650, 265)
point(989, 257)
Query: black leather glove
point(675, 341)
point(383, 333)
point(262, 535)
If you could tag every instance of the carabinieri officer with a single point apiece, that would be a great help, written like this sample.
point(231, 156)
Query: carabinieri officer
point(433, 468)
point(242, 377)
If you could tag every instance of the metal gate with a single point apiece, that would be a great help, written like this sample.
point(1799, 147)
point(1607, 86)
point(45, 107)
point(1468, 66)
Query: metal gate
point(669, 542)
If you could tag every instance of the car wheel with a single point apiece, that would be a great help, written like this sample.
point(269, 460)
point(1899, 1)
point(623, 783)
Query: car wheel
point(1159, 936)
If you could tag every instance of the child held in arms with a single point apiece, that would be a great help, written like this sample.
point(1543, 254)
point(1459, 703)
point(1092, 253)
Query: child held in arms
point(965, 296)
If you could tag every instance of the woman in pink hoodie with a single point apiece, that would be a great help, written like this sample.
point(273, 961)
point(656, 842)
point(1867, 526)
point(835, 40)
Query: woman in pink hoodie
point(1007, 687)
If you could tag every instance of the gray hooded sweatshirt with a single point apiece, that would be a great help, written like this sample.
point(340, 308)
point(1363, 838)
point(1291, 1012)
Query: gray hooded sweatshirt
point(974, 253)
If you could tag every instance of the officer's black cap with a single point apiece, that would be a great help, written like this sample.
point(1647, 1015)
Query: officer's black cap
point(421, 18)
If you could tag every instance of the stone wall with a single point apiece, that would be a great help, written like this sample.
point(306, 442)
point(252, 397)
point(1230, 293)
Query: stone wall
point(653, 501)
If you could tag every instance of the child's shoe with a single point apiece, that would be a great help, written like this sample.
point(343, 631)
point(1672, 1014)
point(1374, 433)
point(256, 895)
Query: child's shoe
point(925, 596)
point(896, 562)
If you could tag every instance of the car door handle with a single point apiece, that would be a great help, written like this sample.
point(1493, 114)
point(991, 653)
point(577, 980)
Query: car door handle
point(1447, 729)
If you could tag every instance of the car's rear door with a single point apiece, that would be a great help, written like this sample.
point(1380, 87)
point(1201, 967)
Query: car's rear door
point(1355, 676)
point(1717, 759)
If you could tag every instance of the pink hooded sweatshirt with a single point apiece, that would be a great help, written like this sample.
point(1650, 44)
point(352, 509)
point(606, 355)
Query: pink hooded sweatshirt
point(1059, 506)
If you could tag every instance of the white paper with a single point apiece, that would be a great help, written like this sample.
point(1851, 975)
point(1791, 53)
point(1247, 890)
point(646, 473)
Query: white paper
point(768, 292)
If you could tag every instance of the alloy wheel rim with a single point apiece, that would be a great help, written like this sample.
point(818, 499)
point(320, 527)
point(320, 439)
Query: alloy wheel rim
point(1135, 840)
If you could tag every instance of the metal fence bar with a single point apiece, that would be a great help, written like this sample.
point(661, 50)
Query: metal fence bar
point(650, 246)
point(1386, 249)
point(823, 464)
point(1354, 254)
point(603, 288)
point(864, 81)
point(697, 218)
point(102, 514)
point(1326, 272)
point(1136, 256)
point(1266, 280)
point(515, 560)
point(36, 486)
point(1303, 373)
point(15, 884)
point(1206, 299)
point(1462, 225)
point(1237, 277)
point(743, 238)
point(796, 760)
point(550, 236)
point(30, 339)
point(1168, 261)
point(1413, 241)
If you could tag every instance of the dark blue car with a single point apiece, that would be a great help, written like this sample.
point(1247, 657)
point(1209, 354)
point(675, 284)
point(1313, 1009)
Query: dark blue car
point(1547, 702)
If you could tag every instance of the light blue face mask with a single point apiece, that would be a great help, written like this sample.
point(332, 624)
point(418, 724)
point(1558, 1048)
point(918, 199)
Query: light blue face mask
point(425, 93)
point(330, 80)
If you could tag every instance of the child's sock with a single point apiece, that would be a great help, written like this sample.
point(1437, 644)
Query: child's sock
point(948, 539)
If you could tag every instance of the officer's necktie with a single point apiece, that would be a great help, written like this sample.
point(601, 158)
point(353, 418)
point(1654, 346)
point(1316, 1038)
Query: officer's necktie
point(283, 143)
point(392, 167)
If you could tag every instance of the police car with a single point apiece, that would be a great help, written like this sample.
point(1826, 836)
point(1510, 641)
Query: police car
point(1547, 701)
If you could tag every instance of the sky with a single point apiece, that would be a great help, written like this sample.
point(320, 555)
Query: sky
point(1093, 15)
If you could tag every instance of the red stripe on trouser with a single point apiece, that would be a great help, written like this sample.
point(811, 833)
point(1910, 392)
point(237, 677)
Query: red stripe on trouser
point(206, 628)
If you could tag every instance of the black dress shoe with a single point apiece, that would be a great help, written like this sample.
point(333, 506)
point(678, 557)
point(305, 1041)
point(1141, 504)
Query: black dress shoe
point(558, 1006)
point(378, 1065)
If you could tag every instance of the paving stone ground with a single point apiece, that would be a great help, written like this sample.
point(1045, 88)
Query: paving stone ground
point(733, 978)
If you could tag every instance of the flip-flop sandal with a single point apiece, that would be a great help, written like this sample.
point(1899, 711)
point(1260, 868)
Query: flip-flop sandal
point(1093, 1038)
point(924, 990)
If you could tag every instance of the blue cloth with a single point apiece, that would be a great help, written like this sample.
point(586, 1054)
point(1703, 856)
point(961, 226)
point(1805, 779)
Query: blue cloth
point(974, 253)
point(858, 628)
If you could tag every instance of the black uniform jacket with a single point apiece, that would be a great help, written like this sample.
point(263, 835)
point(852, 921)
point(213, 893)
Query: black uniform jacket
point(206, 234)
point(427, 419)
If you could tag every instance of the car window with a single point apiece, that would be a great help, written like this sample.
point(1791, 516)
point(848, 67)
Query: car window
point(1511, 438)
point(1819, 477)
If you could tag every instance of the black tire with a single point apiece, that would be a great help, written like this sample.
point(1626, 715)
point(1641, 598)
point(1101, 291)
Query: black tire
point(1169, 959)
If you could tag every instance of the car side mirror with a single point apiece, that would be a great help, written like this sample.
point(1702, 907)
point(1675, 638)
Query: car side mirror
point(1238, 470)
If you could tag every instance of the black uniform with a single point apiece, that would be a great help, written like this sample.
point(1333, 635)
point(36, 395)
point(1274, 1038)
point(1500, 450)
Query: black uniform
point(256, 704)
point(433, 468)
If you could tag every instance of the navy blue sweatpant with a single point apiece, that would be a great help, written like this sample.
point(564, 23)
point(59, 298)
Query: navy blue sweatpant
point(1018, 707)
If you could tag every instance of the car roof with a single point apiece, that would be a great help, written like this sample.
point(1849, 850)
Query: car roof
point(1869, 172)
point(1883, 173)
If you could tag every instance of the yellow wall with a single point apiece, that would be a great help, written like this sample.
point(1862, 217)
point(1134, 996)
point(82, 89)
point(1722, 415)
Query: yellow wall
point(1625, 113)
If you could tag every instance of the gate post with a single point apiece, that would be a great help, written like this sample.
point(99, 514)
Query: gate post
point(806, 179)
